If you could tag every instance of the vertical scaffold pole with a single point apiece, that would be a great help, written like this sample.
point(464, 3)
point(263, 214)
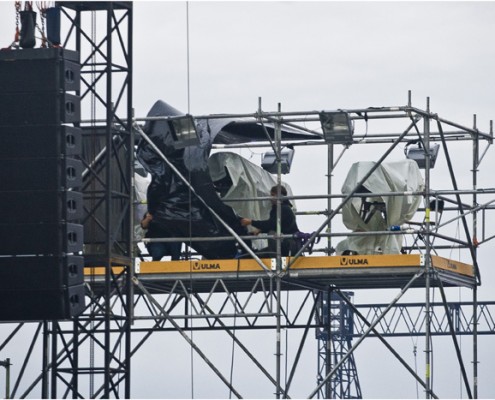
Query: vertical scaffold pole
point(329, 201)
point(45, 380)
point(427, 252)
point(278, 144)
point(475, 240)
point(108, 210)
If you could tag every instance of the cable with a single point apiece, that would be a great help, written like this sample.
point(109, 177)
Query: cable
point(415, 352)
point(460, 299)
point(431, 348)
point(452, 249)
point(233, 344)
point(460, 347)
point(187, 69)
point(188, 251)
point(234, 335)
point(286, 341)
point(191, 287)
point(232, 361)
point(366, 122)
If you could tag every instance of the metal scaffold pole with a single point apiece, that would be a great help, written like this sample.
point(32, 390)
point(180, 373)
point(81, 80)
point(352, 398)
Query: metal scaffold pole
point(476, 161)
point(278, 152)
point(330, 161)
point(428, 266)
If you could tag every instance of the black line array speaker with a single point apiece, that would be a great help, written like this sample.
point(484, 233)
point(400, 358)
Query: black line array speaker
point(39, 108)
point(40, 70)
point(37, 288)
point(52, 173)
point(34, 86)
point(41, 237)
point(40, 206)
point(40, 141)
point(25, 272)
point(34, 304)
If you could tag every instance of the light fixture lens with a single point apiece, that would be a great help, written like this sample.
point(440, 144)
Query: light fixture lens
point(184, 132)
point(418, 154)
point(336, 127)
point(269, 161)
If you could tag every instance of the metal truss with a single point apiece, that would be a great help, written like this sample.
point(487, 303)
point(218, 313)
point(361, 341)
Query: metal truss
point(334, 341)
point(409, 319)
point(182, 311)
point(106, 94)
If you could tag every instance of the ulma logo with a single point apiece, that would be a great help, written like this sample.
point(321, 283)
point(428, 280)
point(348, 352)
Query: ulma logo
point(451, 265)
point(198, 266)
point(353, 261)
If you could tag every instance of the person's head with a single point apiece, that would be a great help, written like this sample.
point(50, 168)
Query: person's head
point(274, 190)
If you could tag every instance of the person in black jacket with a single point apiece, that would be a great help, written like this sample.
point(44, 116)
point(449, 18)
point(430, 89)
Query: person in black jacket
point(287, 220)
point(158, 250)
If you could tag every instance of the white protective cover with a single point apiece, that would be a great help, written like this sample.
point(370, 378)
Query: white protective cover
point(248, 181)
point(399, 176)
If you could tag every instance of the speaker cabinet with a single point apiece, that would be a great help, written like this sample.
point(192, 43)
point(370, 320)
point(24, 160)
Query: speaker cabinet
point(20, 207)
point(39, 70)
point(40, 273)
point(30, 141)
point(41, 239)
point(60, 303)
point(37, 108)
point(40, 174)
point(34, 86)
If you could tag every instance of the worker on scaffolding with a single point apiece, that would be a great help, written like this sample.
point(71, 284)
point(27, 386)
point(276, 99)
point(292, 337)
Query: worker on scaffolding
point(158, 250)
point(290, 246)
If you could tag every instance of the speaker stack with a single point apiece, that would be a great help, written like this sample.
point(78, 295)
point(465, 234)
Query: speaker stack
point(41, 237)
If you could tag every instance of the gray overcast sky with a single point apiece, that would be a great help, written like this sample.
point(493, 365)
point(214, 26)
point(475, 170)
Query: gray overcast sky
point(314, 56)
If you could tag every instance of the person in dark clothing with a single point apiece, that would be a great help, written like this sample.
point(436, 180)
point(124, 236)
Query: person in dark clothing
point(287, 221)
point(158, 250)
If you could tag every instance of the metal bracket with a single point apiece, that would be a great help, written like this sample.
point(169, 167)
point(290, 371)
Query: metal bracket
point(273, 262)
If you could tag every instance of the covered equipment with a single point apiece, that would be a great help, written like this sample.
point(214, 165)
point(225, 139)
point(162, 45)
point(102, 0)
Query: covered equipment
point(379, 213)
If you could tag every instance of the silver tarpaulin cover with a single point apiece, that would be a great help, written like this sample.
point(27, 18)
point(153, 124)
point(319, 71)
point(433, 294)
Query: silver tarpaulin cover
point(380, 213)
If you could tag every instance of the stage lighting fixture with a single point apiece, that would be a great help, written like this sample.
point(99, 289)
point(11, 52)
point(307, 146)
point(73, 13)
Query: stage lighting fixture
point(184, 131)
point(418, 154)
point(336, 127)
point(269, 161)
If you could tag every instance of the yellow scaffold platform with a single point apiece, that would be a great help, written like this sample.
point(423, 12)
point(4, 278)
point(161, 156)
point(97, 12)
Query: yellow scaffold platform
point(344, 272)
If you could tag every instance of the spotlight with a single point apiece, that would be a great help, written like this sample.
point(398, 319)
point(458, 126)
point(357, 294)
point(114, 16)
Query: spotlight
point(336, 126)
point(418, 154)
point(269, 161)
point(184, 131)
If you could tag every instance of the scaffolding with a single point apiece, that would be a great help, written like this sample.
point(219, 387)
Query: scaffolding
point(239, 295)
point(334, 342)
point(131, 301)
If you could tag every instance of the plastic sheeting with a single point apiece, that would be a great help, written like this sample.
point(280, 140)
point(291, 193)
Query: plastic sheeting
point(142, 180)
point(235, 177)
point(379, 213)
point(174, 207)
